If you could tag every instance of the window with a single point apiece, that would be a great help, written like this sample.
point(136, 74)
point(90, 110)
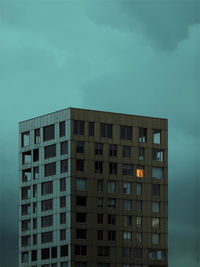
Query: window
point(155, 190)
point(26, 175)
point(62, 218)
point(81, 184)
point(47, 204)
point(78, 127)
point(155, 206)
point(157, 172)
point(47, 220)
point(127, 187)
point(64, 264)
point(26, 192)
point(62, 184)
point(139, 237)
point(126, 132)
point(25, 139)
point(111, 235)
point(127, 265)
point(37, 136)
point(81, 201)
point(50, 151)
point(157, 155)
point(127, 169)
point(155, 223)
point(99, 185)
point(142, 135)
point(138, 221)
point(47, 188)
point(127, 235)
point(64, 148)
point(103, 251)
point(34, 207)
point(26, 241)
point(80, 165)
point(50, 169)
point(139, 205)
point(25, 257)
point(26, 209)
point(47, 237)
point(156, 136)
point(81, 217)
point(111, 203)
point(126, 252)
point(63, 202)
point(34, 223)
point(127, 220)
point(111, 219)
point(127, 204)
point(80, 264)
point(106, 130)
point(45, 253)
point(112, 150)
point(26, 225)
point(155, 254)
point(113, 168)
point(63, 234)
point(33, 255)
point(126, 151)
point(91, 128)
point(138, 253)
point(34, 190)
point(140, 172)
point(48, 132)
point(79, 147)
point(141, 153)
point(62, 129)
point(103, 264)
point(26, 157)
point(64, 251)
point(99, 234)
point(54, 252)
point(156, 239)
point(98, 149)
point(80, 250)
point(81, 233)
point(98, 167)
point(35, 155)
point(138, 189)
point(64, 165)
point(100, 202)
point(36, 172)
point(111, 186)
point(100, 218)
point(34, 238)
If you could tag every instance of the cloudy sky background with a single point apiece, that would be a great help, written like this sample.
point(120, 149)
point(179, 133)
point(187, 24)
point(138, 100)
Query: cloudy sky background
point(137, 57)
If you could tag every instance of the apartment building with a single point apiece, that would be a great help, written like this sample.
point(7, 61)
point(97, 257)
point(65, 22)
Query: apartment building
point(93, 190)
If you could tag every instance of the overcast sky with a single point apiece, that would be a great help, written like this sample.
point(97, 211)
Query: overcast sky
point(137, 57)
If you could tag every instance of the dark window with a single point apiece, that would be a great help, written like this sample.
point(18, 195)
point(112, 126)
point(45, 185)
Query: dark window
point(103, 251)
point(78, 127)
point(139, 205)
point(50, 151)
point(34, 239)
point(62, 184)
point(141, 153)
point(126, 132)
point(113, 168)
point(62, 128)
point(34, 190)
point(54, 252)
point(100, 202)
point(79, 147)
point(98, 149)
point(62, 218)
point(34, 207)
point(155, 189)
point(25, 192)
point(64, 251)
point(36, 172)
point(126, 252)
point(35, 155)
point(81, 184)
point(98, 166)
point(49, 132)
point(127, 220)
point(127, 169)
point(26, 241)
point(37, 136)
point(47, 220)
point(80, 250)
point(26, 225)
point(63, 202)
point(142, 135)
point(50, 169)
point(103, 264)
point(26, 209)
point(111, 235)
point(81, 264)
point(47, 237)
point(34, 223)
point(138, 253)
point(91, 128)
point(81, 217)
point(80, 165)
point(112, 150)
point(26, 175)
point(100, 235)
point(45, 253)
point(47, 188)
point(47, 204)
point(100, 218)
point(126, 151)
point(157, 155)
point(64, 148)
point(111, 219)
point(111, 202)
point(81, 233)
point(81, 201)
point(106, 130)
point(64, 165)
point(100, 185)
point(25, 139)
point(63, 234)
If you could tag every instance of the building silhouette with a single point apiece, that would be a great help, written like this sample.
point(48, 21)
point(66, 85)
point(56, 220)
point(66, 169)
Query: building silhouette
point(93, 190)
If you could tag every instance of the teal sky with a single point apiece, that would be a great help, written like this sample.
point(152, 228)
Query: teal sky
point(137, 57)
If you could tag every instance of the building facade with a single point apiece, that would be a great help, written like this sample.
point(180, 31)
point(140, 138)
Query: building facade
point(93, 190)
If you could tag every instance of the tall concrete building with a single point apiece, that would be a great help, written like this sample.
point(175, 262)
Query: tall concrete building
point(93, 190)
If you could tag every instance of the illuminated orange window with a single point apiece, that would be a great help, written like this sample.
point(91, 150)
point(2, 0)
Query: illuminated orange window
point(140, 173)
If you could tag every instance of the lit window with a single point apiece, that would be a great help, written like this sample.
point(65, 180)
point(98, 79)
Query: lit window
point(140, 171)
